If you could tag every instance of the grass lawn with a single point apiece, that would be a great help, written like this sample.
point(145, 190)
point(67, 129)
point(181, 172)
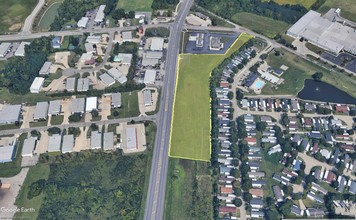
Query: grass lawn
point(48, 17)
point(182, 175)
point(191, 121)
point(305, 3)
point(13, 168)
point(129, 106)
point(57, 119)
point(137, 5)
point(348, 8)
point(38, 123)
point(40, 171)
point(299, 70)
point(10, 126)
point(30, 98)
point(13, 13)
point(259, 24)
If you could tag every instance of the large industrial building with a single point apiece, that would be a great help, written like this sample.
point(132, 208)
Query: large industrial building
point(331, 36)
point(10, 114)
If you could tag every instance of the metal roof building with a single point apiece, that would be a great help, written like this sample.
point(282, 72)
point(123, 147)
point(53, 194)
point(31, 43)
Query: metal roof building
point(108, 143)
point(6, 153)
point(28, 147)
point(95, 140)
point(147, 96)
point(107, 79)
point(41, 111)
point(82, 23)
point(70, 84)
point(149, 62)
point(153, 54)
point(157, 44)
point(114, 73)
point(54, 143)
point(99, 17)
point(89, 48)
point(126, 36)
point(83, 85)
point(91, 104)
point(20, 52)
point(116, 100)
point(326, 34)
point(4, 47)
point(37, 84)
point(68, 143)
point(150, 77)
point(131, 138)
point(10, 114)
point(93, 39)
point(54, 107)
point(45, 68)
point(124, 58)
point(78, 105)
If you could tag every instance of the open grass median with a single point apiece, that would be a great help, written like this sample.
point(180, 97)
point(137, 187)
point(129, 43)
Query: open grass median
point(137, 5)
point(191, 116)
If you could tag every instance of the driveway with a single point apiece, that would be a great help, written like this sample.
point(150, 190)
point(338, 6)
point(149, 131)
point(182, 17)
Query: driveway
point(28, 112)
point(8, 197)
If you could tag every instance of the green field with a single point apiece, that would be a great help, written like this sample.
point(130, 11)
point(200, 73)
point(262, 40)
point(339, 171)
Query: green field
point(40, 171)
point(348, 8)
point(259, 24)
point(305, 3)
point(137, 5)
point(189, 190)
point(13, 13)
point(129, 106)
point(48, 16)
point(301, 69)
point(191, 121)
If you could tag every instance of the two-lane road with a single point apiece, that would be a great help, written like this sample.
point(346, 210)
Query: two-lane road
point(158, 177)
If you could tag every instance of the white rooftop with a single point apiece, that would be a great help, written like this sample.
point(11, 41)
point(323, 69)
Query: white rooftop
point(37, 84)
point(131, 138)
point(116, 99)
point(147, 96)
point(70, 84)
point(68, 143)
point(91, 104)
point(95, 140)
point(157, 44)
point(20, 52)
point(82, 23)
point(28, 147)
point(83, 84)
point(6, 153)
point(107, 79)
point(4, 47)
point(100, 14)
point(45, 68)
point(86, 57)
point(54, 143)
point(150, 77)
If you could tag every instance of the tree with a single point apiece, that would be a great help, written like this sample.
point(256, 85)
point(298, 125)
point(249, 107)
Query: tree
point(244, 61)
point(240, 66)
point(54, 130)
point(247, 196)
point(94, 113)
point(284, 119)
point(99, 59)
point(272, 215)
point(317, 76)
point(285, 208)
point(118, 14)
point(94, 127)
point(261, 126)
point(239, 95)
point(263, 56)
point(74, 131)
point(230, 95)
point(237, 202)
point(131, 14)
point(297, 196)
point(76, 117)
point(334, 184)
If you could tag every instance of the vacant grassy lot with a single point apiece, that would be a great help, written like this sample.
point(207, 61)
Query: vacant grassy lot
point(191, 121)
point(348, 8)
point(57, 119)
point(305, 3)
point(182, 201)
point(40, 171)
point(13, 168)
point(259, 24)
point(299, 70)
point(13, 13)
point(137, 5)
point(48, 17)
point(129, 106)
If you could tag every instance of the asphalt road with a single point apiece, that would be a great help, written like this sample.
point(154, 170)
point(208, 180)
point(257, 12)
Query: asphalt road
point(27, 26)
point(80, 124)
point(158, 177)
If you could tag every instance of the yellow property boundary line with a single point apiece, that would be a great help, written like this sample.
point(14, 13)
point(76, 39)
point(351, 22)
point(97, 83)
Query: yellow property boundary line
point(174, 99)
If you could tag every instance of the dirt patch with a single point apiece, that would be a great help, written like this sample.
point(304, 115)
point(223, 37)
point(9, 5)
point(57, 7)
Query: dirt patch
point(15, 27)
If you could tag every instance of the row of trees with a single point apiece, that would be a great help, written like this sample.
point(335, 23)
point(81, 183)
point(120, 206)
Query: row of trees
point(163, 4)
point(227, 8)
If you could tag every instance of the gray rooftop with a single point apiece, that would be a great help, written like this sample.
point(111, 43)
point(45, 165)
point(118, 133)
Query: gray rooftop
point(83, 85)
point(108, 143)
point(10, 114)
point(41, 111)
point(107, 79)
point(149, 61)
point(131, 138)
point(78, 105)
point(125, 57)
point(95, 140)
point(28, 146)
point(70, 84)
point(116, 100)
point(153, 55)
point(6, 153)
point(45, 68)
point(54, 143)
point(4, 48)
point(68, 143)
point(127, 35)
point(147, 96)
point(54, 107)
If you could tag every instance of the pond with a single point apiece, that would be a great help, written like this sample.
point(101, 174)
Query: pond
point(324, 92)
